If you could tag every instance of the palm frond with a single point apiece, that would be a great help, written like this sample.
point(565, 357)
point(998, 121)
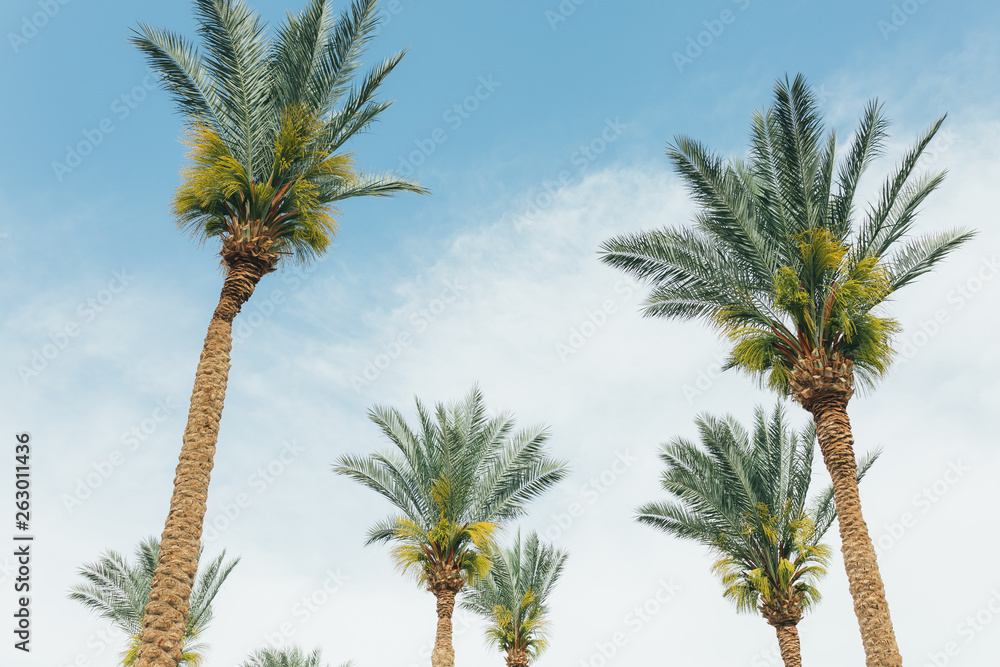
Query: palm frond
point(743, 493)
point(455, 477)
point(774, 260)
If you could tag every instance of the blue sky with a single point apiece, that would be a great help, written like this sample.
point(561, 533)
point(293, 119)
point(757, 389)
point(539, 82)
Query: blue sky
point(563, 112)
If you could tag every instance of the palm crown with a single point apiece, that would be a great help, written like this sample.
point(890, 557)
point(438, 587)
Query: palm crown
point(267, 120)
point(290, 657)
point(745, 496)
point(119, 591)
point(515, 594)
point(776, 260)
point(454, 479)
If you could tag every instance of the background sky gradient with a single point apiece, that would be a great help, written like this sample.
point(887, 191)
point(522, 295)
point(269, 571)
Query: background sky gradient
point(540, 129)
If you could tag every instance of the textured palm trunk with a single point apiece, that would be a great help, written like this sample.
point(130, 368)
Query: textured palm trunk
point(443, 654)
point(788, 643)
point(517, 658)
point(823, 387)
point(784, 614)
point(162, 637)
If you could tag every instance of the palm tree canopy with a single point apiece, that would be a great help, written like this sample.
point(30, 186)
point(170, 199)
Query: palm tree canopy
point(119, 592)
point(514, 596)
point(744, 495)
point(776, 260)
point(267, 119)
point(290, 657)
point(455, 478)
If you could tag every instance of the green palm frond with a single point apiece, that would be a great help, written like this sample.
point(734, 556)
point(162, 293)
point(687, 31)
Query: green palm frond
point(118, 591)
point(290, 657)
point(743, 493)
point(513, 598)
point(776, 260)
point(455, 477)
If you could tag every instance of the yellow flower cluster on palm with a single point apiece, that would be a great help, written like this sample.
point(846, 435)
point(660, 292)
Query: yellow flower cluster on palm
point(784, 582)
point(446, 547)
point(293, 206)
point(829, 295)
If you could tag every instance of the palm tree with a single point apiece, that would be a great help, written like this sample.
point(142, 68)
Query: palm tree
point(292, 657)
point(744, 495)
point(777, 263)
point(455, 479)
point(119, 592)
point(513, 597)
point(266, 123)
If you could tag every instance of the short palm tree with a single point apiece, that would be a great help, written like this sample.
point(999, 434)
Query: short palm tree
point(291, 657)
point(455, 479)
point(267, 120)
point(744, 495)
point(513, 598)
point(119, 592)
point(778, 264)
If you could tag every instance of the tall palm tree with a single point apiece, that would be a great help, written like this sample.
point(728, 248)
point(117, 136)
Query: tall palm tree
point(291, 657)
point(455, 479)
point(744, 495)
point(513, 597)
point(119, 592)
point(778, 264)
point(267, 120)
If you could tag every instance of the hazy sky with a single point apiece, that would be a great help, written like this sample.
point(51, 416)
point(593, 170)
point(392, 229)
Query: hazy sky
point(540, 129)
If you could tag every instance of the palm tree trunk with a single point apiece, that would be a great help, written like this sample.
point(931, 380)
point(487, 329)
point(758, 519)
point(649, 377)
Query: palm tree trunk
point(788, 642)
point(162, 637)
point(833, 430)
point(517, 658)
point(443, 654)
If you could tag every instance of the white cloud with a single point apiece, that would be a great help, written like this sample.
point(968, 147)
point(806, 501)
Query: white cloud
point(523, 300)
